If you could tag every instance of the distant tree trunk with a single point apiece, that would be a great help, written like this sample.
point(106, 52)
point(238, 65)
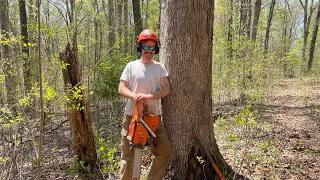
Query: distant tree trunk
point(96, 31)
point(111, 35)
point(256, 16)
point(147, 15)
point(42, 118)
point(244, 11)
point(125, 27)
point(97, 43)
point(313, 40)
point(230, 30)
point(137, 17)
point(188, 108)
point(119, 26)
point(8, 69)
point(306, 25)
point(25, 46)
point(78, 110)
point(267, 35)
point(249, 16)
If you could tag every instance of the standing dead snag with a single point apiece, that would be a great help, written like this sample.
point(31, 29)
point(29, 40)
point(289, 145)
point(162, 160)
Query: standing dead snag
point(78, 109)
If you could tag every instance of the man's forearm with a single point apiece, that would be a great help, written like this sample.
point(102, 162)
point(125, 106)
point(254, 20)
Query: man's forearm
point(161, 93)
point(124, 91)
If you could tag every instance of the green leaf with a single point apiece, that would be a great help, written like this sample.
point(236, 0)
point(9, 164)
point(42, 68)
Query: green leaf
point(2, 78)
point(233, 137)
point(50, 93)
point(4, 159)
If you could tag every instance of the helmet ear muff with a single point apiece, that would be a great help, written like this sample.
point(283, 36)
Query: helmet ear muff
point(157, 47)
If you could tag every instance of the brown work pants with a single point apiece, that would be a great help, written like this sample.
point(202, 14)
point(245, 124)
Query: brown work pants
point(161, 151)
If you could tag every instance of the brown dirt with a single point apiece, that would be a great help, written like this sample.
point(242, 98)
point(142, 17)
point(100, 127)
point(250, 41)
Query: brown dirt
point(285, 142)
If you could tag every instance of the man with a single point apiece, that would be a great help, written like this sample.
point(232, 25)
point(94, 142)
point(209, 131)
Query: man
point(145, 81)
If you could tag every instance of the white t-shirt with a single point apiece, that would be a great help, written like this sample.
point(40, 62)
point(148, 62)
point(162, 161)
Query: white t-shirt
point(144, 78)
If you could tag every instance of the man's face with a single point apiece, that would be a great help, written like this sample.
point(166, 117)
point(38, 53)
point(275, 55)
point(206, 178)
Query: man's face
point(148, 49)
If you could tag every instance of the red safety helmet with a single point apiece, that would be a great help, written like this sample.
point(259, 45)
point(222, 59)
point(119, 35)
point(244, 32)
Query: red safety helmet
point(147, 34)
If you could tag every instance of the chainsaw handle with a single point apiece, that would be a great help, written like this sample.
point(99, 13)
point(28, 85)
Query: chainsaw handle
point(135, 115)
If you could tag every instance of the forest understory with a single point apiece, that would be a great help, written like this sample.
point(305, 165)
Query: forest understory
point(278, 139)
point(285, 142)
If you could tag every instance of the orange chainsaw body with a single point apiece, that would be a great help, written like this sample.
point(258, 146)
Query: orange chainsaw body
point(138, 133)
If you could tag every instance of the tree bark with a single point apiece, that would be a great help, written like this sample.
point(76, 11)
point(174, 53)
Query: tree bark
point(313, 40)
point(267, 35)
point(186, 25)
point(79, 119)
point(137, 17)
point(256, 16)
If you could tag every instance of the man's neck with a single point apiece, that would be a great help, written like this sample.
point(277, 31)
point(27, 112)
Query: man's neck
point(146, 61)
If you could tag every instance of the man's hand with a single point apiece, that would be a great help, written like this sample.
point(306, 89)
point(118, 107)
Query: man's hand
point(142, 98)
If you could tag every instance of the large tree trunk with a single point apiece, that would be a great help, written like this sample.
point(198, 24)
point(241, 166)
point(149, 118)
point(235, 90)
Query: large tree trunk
point(78, 110)
point(25, 46)
point(137, 17)
point(267, 35)
point(256, 16)
point(313, 40)
point(186, 51)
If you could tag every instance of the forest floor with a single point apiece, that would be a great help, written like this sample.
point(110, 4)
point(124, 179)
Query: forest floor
point(279, 139)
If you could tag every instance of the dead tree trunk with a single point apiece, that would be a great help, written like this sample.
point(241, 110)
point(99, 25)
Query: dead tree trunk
point(78, 110)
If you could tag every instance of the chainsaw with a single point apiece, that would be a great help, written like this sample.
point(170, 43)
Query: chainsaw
point(141, 133)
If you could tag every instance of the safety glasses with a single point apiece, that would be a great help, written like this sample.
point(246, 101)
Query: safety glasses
point(145, 48)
